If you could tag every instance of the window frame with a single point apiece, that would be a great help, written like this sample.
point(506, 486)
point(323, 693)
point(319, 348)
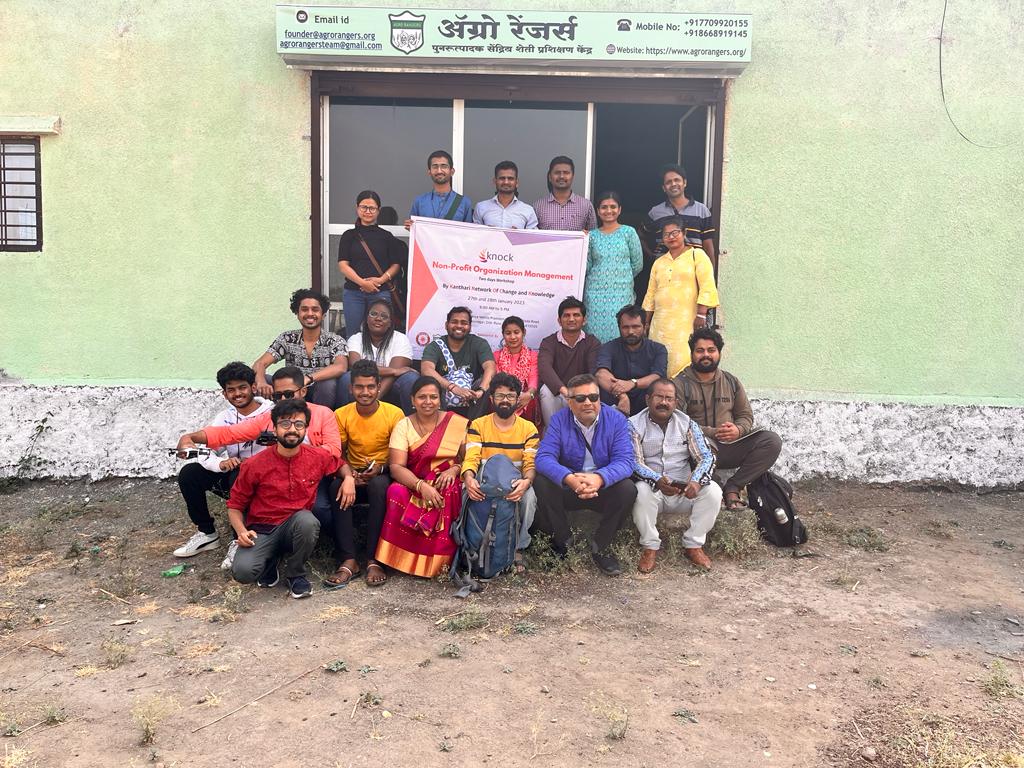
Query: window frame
point(6, 247)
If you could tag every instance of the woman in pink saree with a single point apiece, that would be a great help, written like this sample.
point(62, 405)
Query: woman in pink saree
point(426, 495)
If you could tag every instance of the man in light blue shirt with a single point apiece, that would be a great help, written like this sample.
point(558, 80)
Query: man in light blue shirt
point(442, 202)
point(505, 210)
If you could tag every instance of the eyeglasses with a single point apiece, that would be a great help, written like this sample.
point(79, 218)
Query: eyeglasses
point(288, 394)
point(510, 397)
point(368, 208)
point(437, 167)
point(663, 398)
point(379, 315)
point(289, 423)
point(583, 398)
point(672, 233)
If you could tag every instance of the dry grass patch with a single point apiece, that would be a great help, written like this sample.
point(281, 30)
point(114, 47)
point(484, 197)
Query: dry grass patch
point(149, 713)
point(202, 649)
point(146, 609)
point(333, 612)
point(18, 570)
point(15, 757)
point(735, 535)
point(87, 671)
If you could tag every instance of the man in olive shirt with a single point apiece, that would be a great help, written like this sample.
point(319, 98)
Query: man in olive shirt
point(462, 362)
point(716, 400)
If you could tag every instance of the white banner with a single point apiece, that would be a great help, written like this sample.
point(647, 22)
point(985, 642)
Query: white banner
point(495, 272)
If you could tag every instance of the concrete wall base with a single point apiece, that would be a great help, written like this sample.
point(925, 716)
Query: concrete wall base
point(97, 432)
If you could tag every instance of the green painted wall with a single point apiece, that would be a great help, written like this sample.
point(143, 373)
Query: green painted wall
point(872, 252)
point(176, 200)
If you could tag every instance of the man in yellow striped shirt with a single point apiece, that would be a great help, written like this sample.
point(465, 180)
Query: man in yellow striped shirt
point(506, 433)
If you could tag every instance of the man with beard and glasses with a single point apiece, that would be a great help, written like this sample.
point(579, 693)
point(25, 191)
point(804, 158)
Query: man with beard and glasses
point(322, 356)
point(585, 461)
point(564, 354)
point(674, 464)
point(217, 472)
point(505, 209)
point(321, 432)
point(716, 400)
point(441, 202)
point(462, 363)
point(628, 365)
point(365, 427)
point(271, 501)
point(503, 432)
point(562, 208)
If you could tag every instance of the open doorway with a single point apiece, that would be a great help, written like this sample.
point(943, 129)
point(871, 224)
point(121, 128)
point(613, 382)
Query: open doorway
point(631, 144)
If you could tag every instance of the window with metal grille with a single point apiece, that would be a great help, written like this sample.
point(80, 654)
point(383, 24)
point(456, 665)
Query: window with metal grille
point(21, 215)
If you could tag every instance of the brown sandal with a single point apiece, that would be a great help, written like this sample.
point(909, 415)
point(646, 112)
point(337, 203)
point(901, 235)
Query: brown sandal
point(379, 582)
point(733, 503)
point(341, 577)
point(648, 560)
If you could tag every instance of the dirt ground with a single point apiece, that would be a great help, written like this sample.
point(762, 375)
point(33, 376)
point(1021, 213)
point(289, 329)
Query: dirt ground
point(898, 643)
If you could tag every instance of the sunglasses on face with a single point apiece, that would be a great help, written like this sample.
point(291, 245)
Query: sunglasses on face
point(289, 423)
point(288, 394)
point(583, 398)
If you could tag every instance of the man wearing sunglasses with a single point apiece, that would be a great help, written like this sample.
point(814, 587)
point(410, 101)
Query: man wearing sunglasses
point(270, 502)
point(321, 432)
point(585, 461)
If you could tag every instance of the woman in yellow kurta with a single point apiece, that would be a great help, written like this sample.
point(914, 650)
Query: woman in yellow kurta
point(681, 290)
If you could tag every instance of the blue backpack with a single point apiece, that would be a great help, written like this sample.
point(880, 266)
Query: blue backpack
point(486, 531)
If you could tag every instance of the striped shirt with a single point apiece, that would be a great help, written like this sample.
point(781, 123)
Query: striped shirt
point(574, 214)
point(696, 218)
point(518, 443)
point(670, 452)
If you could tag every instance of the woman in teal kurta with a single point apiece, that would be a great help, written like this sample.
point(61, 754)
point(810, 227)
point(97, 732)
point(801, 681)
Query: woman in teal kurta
point(613, 260)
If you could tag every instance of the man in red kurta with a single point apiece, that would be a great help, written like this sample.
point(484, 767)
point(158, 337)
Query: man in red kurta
point(270, 503)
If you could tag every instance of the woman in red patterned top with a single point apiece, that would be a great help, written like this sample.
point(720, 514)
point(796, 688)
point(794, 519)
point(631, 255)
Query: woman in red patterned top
point(516, 358)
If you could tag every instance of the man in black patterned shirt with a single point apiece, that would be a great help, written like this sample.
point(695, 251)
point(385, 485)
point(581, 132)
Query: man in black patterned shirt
point(322, 356)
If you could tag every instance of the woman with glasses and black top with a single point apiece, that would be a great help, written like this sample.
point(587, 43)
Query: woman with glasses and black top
point(370, 258)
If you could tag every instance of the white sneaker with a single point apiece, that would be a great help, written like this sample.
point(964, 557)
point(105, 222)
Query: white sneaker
point(200, 542)
point(229, 558)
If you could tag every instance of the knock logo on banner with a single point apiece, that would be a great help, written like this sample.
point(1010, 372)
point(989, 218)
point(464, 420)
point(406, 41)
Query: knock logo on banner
point(494, 272)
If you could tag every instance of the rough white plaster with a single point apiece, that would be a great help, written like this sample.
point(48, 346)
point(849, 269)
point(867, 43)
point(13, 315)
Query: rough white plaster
point(101, 432)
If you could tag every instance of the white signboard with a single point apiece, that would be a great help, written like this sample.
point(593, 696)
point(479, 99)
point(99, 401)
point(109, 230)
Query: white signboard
point(495, 272)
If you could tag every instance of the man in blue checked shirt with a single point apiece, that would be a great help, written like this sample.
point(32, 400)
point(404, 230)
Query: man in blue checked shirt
point(441, 202)
point(674, 464)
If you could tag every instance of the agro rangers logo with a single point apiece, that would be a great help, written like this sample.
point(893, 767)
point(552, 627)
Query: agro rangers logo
point(406, 31)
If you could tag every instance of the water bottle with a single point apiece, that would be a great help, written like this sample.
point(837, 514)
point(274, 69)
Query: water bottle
point(781, 516)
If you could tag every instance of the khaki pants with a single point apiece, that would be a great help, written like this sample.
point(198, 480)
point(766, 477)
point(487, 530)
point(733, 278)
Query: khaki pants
point(703, 512)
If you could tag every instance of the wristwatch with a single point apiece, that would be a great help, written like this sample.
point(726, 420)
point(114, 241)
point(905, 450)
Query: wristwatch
point(634, 383)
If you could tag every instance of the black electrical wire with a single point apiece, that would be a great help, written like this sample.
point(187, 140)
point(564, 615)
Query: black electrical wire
point(942, 88)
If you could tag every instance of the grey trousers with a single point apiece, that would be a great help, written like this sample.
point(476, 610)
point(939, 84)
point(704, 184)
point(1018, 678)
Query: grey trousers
point(750, 457)
point(293, 540)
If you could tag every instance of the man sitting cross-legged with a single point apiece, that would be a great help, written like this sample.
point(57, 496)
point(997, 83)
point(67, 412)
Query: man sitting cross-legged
point(506, 433)
point(217, 472)
point(275, 492)
point(675, 465)
point(365, 428)
point(585, 461)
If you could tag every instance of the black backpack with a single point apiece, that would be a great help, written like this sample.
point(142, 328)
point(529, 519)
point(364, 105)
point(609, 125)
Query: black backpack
point(771, 498)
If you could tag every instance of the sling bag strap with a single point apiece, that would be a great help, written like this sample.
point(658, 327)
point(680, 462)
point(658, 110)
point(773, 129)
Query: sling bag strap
point(397, 302)
point(454, 207)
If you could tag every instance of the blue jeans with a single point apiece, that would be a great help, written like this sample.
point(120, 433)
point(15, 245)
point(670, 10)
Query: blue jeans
point(354, 304)
point(400, 393)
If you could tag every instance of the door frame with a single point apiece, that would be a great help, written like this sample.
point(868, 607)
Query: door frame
point(459, 88)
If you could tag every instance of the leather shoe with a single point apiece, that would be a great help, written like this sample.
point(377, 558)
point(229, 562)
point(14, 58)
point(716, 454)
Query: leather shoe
point(647, 558)
point(696, 556)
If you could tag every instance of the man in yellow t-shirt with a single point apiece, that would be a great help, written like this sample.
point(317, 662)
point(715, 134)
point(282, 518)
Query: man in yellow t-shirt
point(365, 428)
point(505, 433)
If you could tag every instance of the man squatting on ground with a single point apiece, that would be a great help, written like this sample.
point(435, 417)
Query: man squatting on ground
point(585, 461)
point(217, 472)
point(270, 503)
point(675, 465)
point(321, 432)
point(716, 400)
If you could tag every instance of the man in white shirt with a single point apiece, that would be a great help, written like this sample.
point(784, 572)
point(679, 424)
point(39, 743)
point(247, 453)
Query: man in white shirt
point(505, 209)
point(217, 471)
point(674, 464)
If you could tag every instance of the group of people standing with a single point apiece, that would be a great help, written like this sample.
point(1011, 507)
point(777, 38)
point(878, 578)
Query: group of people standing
point(633, 425)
